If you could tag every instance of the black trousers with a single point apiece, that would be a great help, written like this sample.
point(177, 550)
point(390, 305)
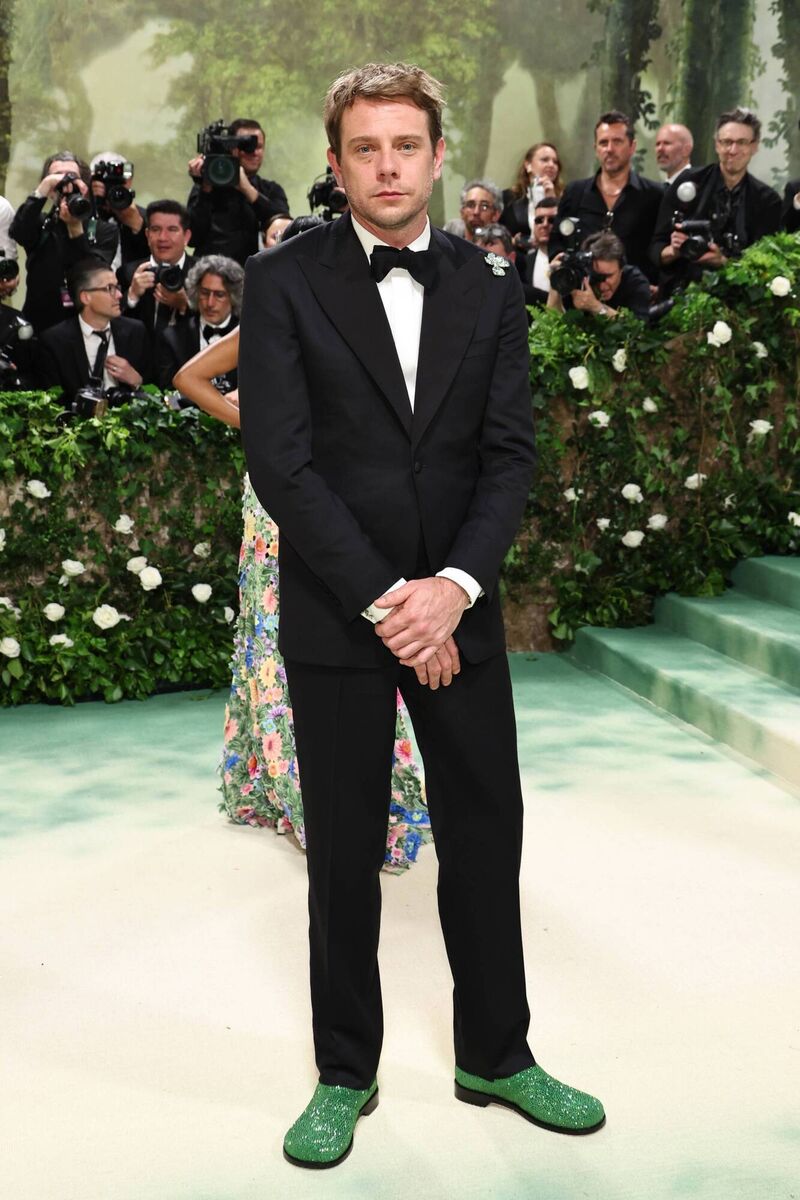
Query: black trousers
point(344, 721)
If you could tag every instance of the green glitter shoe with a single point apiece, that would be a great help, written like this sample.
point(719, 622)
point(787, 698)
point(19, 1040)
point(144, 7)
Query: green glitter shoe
point(322, 1135)
point(538, 1097)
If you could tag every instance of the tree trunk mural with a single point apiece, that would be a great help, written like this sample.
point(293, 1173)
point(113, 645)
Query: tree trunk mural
point(785, 123)
point(6, 24)
point(630, 28)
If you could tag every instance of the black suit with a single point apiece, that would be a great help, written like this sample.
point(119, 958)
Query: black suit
point(790, 217)
point(62, 353)
point(145, 308)
point(632, 218)
point(223, 221)
point(177, 344)
point(364, 492)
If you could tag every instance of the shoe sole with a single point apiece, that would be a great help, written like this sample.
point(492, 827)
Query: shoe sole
point(364, 1111)
point(482, 1100)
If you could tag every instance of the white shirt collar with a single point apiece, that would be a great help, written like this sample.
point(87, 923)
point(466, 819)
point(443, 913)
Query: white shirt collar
point(671, 178)
point(369, 241)
point(155, 261)
point(87, 330)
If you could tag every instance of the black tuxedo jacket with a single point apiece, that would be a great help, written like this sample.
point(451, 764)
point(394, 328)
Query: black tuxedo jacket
point(790, 217)
point(145, 310)
point(365, 491)
point(176, 344)
point(62, 354)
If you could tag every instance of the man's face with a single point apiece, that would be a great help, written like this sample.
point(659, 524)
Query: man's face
point(611, 271)
point(672, 151)
point(497, 247)
point(613, 147)
point(251, 162)
point(543, 221)
point(98, 300)
point(735, 147)
point(166, 237)
point(213, 301)
point(387, 165)
point(478, 209)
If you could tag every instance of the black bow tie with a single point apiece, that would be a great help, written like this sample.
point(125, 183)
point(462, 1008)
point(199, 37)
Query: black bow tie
point(210, 331)
point(420, 264)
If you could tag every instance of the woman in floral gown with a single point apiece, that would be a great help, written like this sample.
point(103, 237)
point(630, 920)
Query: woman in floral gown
point(260, 779)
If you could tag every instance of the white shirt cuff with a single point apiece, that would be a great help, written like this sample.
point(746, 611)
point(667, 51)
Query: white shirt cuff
point(374, 614)
point(131, 301)
point(465, 581)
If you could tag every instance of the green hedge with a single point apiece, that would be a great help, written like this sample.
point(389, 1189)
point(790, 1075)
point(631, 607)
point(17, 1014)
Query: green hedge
point(674, 407)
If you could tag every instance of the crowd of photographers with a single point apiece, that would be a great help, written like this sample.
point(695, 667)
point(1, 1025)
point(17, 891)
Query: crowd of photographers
point(118, 296)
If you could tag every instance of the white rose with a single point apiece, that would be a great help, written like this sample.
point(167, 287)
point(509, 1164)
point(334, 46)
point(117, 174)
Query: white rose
point(579, 377)
point(2, 538)
point(649, 405)
point(106, 616)
point(760, 428)
point(36, 488)
point(150, 578)
point(63, 581)
point(780, 286)
point(693, 482)
point(571, 494)
point(124, 523)
point(136, 565)
point(722, 332)
point(202, 549)
point(657, 521)
point(633, 493)
point(201, 592)
point(633, 538)
point(794, 518)
point(10, 647)
point(603, 523)
point(600, 418)
point(620, 360)
point(760, 350)
point(228, 613)
point(61, 639)
point(54, 612)
point(71, 567)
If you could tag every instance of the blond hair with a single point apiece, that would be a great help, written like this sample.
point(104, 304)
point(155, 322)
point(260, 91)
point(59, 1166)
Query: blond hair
point(383, 81)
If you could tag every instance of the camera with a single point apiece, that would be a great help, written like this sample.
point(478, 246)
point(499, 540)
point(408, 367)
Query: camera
point(216, 143)
point(326, 194)
point(169, 275)
point(95, 401)
point(575, 264)
point(20, 330)
point(702, 232)
point(116, 177)
point(78, 206)
point(9, 268)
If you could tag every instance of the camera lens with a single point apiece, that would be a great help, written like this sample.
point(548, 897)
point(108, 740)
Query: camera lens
point(220, 170)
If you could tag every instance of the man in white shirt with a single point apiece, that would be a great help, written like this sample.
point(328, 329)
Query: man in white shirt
point(154, 288)
point(386, 419)
point(673, 147)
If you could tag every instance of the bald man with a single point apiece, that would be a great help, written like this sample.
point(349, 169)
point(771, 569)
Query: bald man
point(673, 148)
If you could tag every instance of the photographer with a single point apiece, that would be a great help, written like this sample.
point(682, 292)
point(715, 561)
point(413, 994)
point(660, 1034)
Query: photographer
point(214, 287)
point(227, 219)
point(97, 347)
point(790, 218)
point(605, 283)
point(536, 263)
point(112, 176)
point(615, 198)
point(154, 289)
point(481, 204)
point(710, 214)
point(9, 271)
point(55, 241)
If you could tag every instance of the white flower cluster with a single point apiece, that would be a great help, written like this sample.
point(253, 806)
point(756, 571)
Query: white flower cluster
point(37, 489)
point(579, 377)
point(720, 335)
point(620, 359)
point(124, 523)
point(780, 286)
point(600, 418)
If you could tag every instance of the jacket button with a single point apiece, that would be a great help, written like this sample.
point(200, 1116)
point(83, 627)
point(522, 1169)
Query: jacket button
point(417, 467)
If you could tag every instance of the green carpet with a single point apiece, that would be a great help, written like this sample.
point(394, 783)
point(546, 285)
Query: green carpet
point(154, 1021)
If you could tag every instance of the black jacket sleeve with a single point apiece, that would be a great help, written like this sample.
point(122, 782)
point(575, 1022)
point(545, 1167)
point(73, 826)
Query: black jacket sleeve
point(26, 228)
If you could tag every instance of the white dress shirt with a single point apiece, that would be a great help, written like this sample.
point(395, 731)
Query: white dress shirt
point(541, 271)
point(92, 346)
point(7, 243)
point(402, 298)
point(219, 330)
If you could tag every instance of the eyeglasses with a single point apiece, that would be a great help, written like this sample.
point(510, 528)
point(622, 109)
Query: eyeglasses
point(212, 293)
point(111, 288)
point(734, 143)
point(544, 220)
point(481, 205)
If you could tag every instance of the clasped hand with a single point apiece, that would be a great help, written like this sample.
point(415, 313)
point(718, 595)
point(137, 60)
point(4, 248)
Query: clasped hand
point(419, 629)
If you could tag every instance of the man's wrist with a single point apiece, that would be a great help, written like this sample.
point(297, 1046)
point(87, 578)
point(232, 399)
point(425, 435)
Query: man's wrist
point(465, 581)
point(373, 614)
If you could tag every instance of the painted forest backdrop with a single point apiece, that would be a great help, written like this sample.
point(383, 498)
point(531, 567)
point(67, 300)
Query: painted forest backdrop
point(143, 76)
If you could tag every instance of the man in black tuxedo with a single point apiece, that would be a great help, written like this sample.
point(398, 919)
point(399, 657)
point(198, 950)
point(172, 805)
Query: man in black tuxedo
point(386, 416)
point(97, 346)
point(160, 305)
point(790, 217)
point(214, 287)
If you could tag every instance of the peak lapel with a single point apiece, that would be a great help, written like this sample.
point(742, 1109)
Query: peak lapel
point(448, 319)
point(341, 281)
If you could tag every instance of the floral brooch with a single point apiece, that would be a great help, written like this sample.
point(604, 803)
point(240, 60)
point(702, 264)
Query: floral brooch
point(498, 264)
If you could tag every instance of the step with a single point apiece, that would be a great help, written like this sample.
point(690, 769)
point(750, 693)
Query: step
point(758, 633)
point(771, 577)
point(756, 715)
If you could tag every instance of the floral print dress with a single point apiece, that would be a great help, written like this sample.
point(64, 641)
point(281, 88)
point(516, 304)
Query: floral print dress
point(260, 779)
